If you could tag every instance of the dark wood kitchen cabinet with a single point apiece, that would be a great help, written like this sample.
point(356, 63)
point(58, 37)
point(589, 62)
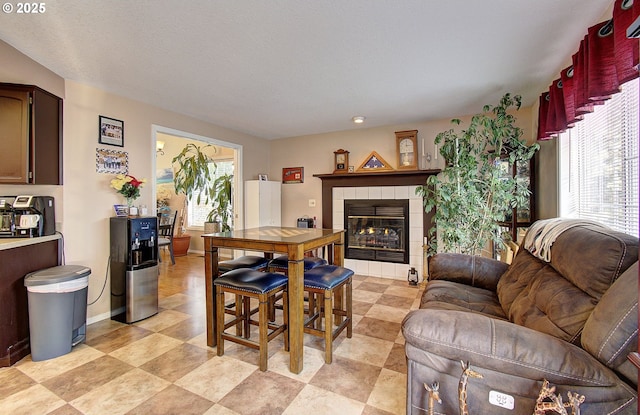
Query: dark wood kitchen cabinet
point(30, 135)
point(14, 311)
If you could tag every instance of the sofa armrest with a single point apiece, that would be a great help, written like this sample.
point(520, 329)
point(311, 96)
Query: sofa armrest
point(471, 270)
point(500, 346)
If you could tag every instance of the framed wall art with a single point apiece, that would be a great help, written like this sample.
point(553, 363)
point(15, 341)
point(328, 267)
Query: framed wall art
point(111, 131)
point(112, 161)
point(293, 175)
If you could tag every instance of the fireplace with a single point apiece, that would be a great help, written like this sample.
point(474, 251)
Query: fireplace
point(377, 230)
point(373, 187)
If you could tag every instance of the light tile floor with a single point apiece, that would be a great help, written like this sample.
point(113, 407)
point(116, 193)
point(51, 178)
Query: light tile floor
point(162, 365)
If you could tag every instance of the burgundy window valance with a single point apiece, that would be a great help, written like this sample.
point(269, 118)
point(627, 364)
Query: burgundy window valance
point(605, 60)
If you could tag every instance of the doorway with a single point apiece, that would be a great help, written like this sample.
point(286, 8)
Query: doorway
point(226, 154)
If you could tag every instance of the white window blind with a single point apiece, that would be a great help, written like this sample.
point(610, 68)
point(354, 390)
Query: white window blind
point(599, 164)
point(197, 213)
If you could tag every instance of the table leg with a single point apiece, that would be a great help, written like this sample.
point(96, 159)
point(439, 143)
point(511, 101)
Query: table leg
point(296, 308)
point(210, 273)
point(338, 252)
point(338, 259)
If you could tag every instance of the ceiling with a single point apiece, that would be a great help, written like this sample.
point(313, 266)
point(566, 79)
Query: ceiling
point(282, 68)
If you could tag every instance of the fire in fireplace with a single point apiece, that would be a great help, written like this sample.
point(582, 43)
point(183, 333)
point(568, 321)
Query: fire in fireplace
point(377, 230)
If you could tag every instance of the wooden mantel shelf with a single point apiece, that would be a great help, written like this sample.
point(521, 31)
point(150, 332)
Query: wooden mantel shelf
point(386, 178)
point(383, 174)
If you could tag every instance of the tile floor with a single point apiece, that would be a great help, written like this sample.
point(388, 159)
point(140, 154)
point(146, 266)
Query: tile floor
point(162, 365)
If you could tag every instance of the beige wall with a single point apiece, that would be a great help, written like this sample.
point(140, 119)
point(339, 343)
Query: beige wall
point(315, 154)
point(84, 203)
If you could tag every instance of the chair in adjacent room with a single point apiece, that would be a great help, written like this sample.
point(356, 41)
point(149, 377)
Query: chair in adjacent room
point(246, 284)
point(165, 234)
point(323, 284)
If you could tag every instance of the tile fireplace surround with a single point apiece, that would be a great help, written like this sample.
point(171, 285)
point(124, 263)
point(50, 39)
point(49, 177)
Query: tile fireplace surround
point(377, 268)
point(398, 185)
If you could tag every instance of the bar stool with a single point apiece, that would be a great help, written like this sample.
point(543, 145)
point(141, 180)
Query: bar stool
point(281, 263)
point(254, 262)
point(246, 284)
point(326, 282)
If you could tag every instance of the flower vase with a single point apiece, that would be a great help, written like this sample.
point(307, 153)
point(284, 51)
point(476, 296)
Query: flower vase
point(133, 211)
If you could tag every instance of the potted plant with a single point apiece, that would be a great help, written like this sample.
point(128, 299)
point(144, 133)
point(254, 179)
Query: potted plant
point(471, 194)
point(222, 212)
point(193, 176)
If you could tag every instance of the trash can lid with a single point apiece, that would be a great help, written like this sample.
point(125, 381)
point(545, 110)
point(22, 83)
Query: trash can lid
point(56, 275)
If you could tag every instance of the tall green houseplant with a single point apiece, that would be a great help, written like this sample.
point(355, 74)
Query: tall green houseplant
point(222, 212)
point(472, 194)
point(194, 173)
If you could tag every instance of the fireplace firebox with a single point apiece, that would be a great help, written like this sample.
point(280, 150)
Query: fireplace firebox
point(377, 230)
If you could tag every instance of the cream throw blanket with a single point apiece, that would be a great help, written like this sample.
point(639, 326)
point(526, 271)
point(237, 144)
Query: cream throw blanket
point(543, 233)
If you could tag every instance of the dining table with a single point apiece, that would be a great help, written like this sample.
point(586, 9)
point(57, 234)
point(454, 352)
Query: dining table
point(270, 240)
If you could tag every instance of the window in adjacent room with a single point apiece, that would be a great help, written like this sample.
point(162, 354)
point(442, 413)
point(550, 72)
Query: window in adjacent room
point(197, 213)
point(599, 164)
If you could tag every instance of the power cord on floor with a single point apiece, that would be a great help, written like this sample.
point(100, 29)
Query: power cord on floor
point(105, 282)
point(63, 259)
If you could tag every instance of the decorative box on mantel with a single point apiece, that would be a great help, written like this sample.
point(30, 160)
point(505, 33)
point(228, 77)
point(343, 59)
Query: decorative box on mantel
point(372, 189)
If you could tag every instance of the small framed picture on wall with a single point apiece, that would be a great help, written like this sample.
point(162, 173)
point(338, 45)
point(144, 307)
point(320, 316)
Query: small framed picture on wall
point(111, 131)
point(292, 175)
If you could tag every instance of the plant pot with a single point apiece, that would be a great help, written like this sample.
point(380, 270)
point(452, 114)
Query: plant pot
point(181, 244)
point(211, 227)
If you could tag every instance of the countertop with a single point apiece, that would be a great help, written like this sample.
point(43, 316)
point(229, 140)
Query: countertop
point(10, 243)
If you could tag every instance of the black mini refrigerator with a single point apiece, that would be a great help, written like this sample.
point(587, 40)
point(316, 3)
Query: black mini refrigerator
point(134, 268)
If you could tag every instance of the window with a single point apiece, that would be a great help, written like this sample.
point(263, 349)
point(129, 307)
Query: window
point(599, 164)
point(197, 213)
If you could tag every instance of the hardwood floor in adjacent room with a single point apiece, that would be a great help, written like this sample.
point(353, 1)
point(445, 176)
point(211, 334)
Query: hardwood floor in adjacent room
point(162, 365)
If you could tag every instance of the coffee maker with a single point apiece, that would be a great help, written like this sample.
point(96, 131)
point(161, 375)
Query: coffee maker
point(7, 218)
point(27, 216)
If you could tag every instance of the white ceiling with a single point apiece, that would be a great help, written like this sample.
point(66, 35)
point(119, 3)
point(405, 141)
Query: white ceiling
point(281, 68)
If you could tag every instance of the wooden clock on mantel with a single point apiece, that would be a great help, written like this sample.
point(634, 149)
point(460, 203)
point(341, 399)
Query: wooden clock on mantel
point(407, 149)
point(341, 161)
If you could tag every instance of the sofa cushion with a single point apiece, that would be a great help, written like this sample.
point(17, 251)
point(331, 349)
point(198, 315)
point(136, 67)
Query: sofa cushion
point(558, 297)
point(447, 295)
point(611, 332)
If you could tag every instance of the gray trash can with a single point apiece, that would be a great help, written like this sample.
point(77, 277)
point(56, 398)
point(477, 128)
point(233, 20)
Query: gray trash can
point(57, 309)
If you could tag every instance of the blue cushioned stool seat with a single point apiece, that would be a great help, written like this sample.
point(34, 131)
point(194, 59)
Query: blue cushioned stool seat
point(246, 279)
point(324, 283)
point(281, 263)
point(326, 277)
point(247, 261)
point(246, 284)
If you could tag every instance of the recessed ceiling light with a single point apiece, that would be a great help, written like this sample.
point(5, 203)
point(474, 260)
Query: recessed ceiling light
point(358, 119)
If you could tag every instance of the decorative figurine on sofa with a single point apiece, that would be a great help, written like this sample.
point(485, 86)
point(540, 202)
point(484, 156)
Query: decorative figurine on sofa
point(434, 396)
point(548, 392)
point(554, 402)
point(467, 372)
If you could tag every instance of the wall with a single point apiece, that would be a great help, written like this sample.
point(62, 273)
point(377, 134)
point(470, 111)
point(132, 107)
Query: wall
point(85, 201)
point(547, 175)
point(315, 154)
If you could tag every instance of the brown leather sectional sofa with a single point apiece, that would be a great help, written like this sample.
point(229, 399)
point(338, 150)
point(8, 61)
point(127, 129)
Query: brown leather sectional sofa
point(572, 321)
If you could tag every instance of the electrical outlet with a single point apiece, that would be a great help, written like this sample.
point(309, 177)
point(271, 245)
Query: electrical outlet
point(312, 203)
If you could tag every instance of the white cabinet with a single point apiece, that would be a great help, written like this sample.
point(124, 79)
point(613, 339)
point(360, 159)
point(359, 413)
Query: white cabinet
point(262, 203)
